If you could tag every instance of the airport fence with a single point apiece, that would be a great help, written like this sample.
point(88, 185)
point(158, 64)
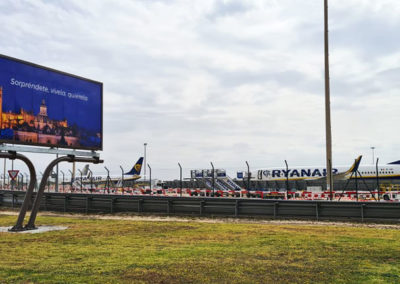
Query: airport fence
point(208, 206)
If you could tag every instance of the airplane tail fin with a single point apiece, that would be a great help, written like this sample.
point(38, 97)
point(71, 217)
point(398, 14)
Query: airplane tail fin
point(85, 171)
point(136, 168)
point(395, 163)
point(355, 165)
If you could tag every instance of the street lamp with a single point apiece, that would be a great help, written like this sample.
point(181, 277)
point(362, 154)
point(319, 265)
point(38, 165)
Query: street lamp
point(373, 154)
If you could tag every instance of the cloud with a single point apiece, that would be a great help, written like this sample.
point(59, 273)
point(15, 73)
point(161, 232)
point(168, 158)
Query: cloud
point(223, 81)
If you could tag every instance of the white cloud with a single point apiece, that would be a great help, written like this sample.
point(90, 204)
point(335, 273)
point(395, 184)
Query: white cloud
point(223, 81)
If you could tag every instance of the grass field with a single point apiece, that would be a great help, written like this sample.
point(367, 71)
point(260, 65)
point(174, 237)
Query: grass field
point(129, 251)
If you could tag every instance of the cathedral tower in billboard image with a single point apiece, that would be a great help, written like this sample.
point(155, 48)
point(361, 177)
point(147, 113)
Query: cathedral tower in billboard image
point(27, 127)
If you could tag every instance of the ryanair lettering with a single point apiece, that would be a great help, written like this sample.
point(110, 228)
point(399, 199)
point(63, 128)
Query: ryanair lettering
point(300, 173)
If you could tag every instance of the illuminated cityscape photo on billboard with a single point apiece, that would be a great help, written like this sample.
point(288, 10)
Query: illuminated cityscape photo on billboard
point(44, 107)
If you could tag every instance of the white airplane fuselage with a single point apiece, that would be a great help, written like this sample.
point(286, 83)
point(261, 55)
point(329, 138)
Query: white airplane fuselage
point(312, 173)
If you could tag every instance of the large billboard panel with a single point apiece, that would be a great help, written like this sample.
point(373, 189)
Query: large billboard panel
point(45, 107)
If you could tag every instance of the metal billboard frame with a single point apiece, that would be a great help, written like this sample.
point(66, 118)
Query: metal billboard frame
point(66, 74)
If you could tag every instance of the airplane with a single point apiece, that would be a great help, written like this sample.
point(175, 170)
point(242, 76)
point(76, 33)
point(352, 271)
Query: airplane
point(388, 171)
point(134, 174)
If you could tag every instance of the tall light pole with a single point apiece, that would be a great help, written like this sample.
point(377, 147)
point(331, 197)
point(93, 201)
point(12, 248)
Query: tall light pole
point(329, 180)
point(373, 154)
point(145, 161)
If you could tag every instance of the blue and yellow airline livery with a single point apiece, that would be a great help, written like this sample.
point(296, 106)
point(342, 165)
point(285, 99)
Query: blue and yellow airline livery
point(136, 168)
point(388, 171)
point(132, 175)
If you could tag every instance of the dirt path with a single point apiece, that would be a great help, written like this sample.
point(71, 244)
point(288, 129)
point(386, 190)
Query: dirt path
point(155, 218)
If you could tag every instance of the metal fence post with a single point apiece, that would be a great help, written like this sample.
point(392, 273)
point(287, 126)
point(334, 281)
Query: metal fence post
point(248, 178)
point(213, 179)
point(377, 178)
point(287, 180)
point(151, 192)
point(180, 177)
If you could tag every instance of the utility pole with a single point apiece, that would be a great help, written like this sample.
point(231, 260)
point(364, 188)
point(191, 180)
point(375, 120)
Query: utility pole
point(329, 179)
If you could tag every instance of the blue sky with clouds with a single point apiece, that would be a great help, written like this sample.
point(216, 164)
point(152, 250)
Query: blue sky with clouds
point(223, 81)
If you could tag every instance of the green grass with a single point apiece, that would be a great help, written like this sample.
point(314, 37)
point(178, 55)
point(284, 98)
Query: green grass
point(123, 251)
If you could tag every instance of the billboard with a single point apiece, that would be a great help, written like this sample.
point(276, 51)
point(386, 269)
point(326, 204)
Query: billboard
point(45, 107)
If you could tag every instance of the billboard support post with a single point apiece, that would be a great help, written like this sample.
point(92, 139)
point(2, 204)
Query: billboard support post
point(12, 156)
point(39, 195)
